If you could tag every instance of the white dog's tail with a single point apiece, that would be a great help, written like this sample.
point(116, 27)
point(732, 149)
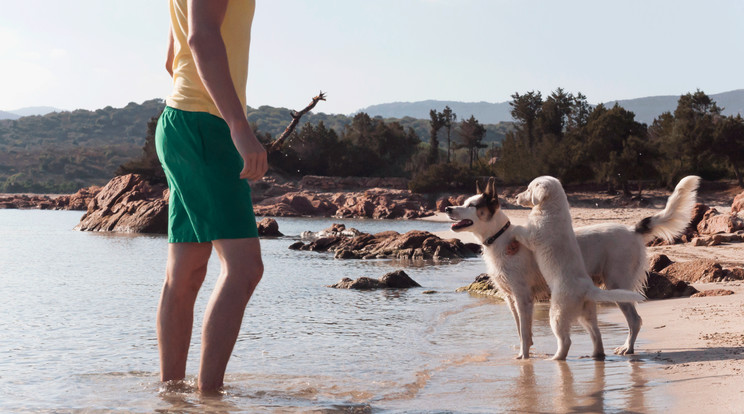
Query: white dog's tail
point(675, 217)
point(614, 295)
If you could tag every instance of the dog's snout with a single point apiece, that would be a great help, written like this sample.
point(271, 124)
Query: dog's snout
point(448, 209)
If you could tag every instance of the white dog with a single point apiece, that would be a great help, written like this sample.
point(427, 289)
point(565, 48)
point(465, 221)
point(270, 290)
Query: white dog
point(614, 254)
point(550, 236)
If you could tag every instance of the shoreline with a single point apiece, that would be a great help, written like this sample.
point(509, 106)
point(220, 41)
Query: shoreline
point(698, 342)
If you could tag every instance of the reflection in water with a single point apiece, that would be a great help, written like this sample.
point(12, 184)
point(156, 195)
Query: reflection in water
point(580, 387)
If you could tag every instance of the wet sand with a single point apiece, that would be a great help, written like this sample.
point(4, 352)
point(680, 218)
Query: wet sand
point(699, 342)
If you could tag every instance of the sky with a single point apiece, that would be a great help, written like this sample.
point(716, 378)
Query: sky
point(90, 54)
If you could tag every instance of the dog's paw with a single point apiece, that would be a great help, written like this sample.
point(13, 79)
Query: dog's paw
point(599, 357)
point(624, 350)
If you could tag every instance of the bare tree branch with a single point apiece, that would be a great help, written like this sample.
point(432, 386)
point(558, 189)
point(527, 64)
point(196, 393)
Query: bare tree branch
point(295, 120)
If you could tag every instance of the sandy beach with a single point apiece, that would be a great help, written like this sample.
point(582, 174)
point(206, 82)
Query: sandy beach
point(699, 341)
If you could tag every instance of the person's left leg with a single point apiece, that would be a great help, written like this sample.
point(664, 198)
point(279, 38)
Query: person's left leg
point(242, 269)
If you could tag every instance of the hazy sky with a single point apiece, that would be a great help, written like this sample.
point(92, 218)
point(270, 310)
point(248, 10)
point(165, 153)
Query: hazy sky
point(93, 53)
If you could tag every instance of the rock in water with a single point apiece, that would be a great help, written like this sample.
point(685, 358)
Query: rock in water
point(393, 280)
point(128, 203)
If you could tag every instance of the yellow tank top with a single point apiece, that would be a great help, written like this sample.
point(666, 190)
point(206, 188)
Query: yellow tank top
point(189, 93)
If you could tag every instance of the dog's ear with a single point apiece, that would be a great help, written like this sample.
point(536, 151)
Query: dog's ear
point(477, 187)
point(492, 195)
point(538, 194)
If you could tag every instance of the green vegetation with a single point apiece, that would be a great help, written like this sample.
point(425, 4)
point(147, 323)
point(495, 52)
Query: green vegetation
point(63, 151)
point(561, 135)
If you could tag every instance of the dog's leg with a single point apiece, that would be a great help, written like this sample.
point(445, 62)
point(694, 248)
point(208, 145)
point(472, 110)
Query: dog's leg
point(560, 322)
point(634, 326)
point(515, 314)
point(588, 320)
point(522, 235)
point(525, 306)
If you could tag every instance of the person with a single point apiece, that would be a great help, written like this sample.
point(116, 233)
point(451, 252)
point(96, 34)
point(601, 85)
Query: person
point(208, 152)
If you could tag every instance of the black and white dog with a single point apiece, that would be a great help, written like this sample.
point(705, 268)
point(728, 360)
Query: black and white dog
point(614, 254)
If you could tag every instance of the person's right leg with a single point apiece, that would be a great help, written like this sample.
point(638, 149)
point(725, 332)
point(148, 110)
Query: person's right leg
point(187, 266)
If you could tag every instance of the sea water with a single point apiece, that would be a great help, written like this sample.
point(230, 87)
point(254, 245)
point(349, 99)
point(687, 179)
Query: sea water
point(77, 333)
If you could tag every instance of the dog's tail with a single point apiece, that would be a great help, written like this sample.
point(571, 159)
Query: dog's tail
point(675, 217)
point(614, 295)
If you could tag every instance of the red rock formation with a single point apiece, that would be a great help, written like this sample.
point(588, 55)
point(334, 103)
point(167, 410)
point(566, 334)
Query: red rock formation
point(715, 222)
point(128, 203)
point(375, 203)
point(738, 204)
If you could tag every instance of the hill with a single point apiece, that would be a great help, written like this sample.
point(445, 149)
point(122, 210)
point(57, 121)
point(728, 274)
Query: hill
point(274, 120)
point(645, 109)
point(8, 115)
point(29, 111)
point(61, 152)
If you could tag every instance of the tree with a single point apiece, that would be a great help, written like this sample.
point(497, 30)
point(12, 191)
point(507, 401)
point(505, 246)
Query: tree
point(436, 123)
point(524, 111)
point(449, 118)
point(148, 165)
point(728, 143)
point(471, 136)
point(686, 137)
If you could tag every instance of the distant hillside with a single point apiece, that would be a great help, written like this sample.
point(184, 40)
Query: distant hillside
point(29, 111)
point(63, 151)
point(646, 109)
point(274, 121)
point(485, 112)
point(8, 115)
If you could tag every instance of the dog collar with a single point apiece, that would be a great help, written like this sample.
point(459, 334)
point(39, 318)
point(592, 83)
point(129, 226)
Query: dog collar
point(496, 236)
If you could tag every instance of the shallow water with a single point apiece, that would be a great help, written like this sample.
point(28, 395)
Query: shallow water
point(77, 318)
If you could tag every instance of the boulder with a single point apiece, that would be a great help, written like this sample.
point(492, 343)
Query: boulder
point(414, 245)
point(738, 204)
point(380, 203)
point(658, 262)
point(483, 285)
point(128, 203)
point(713, 292)
point(268, 227)
point(393, 280)
point(442, 204)
point(695, 271)
point(736, 273)
point(398, 279)
point(715, 222)
point(662, 286)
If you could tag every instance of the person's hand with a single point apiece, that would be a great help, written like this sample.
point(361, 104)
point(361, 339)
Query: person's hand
point(253, 153)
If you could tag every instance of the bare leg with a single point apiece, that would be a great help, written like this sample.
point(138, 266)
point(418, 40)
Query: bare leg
point(242, 269)
point(588, 320)
point(634, 326)
point(187, 266)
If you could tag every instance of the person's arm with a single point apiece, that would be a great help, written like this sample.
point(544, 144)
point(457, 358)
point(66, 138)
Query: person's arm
point(169, 57)
point(210, 56)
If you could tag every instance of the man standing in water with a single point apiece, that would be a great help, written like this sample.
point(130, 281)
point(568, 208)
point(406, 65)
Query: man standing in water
point(208, 152)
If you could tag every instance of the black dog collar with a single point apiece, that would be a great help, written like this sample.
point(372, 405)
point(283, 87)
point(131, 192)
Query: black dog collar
point(496, 236)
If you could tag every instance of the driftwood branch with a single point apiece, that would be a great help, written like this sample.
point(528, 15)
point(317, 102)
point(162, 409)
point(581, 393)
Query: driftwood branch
point(295, 120)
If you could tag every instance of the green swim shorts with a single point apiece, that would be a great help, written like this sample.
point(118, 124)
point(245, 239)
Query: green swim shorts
point(208, 199)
